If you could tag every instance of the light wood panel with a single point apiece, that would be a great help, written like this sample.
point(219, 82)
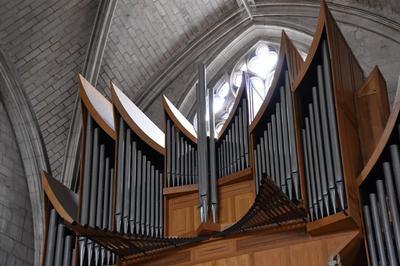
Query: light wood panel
point(138, 121)
point(63, 199)
point(97, 105)
point(272, 257)
point(182, 212)
point(234, 201)
point(179, 120)
point(183, 215)
point(294, 248)
point(372, 111)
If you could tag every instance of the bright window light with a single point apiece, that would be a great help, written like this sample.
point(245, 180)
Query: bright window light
point(218, 103)
point(223, 90)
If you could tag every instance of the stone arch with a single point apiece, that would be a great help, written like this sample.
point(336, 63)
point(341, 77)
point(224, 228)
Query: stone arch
point(29, 140)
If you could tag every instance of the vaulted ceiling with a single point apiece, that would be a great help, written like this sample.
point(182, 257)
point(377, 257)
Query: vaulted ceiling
point(46, 42)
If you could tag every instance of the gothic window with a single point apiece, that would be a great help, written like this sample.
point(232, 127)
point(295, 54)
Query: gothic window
point(259, 63)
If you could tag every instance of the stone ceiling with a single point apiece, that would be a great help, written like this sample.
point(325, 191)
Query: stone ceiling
point(46, 41)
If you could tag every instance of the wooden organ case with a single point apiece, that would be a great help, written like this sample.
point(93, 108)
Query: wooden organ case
point(311, 178)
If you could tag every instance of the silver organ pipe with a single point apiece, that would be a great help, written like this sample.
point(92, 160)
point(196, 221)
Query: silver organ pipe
point(274, 139)
point(59, 240)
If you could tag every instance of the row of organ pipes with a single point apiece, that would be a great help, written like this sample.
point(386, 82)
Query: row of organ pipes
point(233, 145)
point(275, 151)
point(181, 148)
point(97, 174)
point(59, 242)
point(127, 161)
point(381, 203)
point(324, 176)
point(139, 203)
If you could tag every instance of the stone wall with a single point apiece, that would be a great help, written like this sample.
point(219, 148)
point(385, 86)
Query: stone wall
point(16, 226)
point(47, 40)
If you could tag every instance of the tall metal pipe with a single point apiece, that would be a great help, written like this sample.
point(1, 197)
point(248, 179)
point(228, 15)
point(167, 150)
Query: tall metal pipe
point(320, 149)
point(212, 159)
point(224, 159)
point(234, 153)
point(120, 175)
point(219, 162)
point(266, 154)
point(84, 215)
point(178, 160)
point(148, 196)
point(370, 236)
point(387, 231)
point(110, 209)
point(308, 181)
point(377, 229)
point(326, 137)
point(275, 152)
point(106, 197)
point(157, 189)
point(186, 159)
point(245, 132)
point(230, 152)
point(259, 163)
point(337, 163)
point(132, 210)
point(182, 161)
point(161, 208)
point(394, 211)
point(280, 147)
point(316, 160)
point(256, 169)
point(67, 251)
point(169, 155)
point(241, 141)
point(292, 139)
point(394, 155)
point(127, 174)
point(272, 157)
point(262, 154)
point(95, 171)
point(100, 188)
point(237, 143)
point(59, 245)
point(138, 201)
point(51, 238)
point(202, 144)
point(312, 169)
point(152, 201)
point(143, 189)
point(173, 157)
point(285, 138)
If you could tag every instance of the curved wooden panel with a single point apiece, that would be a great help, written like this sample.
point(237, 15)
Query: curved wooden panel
point(64, 201)
point(179, 120)
point(326, 24)
point(371, 97)
point(98, 106)
point(390, 127)
point(288, 54)
point(138, 121)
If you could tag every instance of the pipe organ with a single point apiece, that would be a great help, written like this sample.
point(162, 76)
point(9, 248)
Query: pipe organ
point(181, 153)
point(311, 178)
point(140, 157)
point(232, 145)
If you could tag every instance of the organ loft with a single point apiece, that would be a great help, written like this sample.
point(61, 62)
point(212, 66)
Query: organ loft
point(267, 134)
